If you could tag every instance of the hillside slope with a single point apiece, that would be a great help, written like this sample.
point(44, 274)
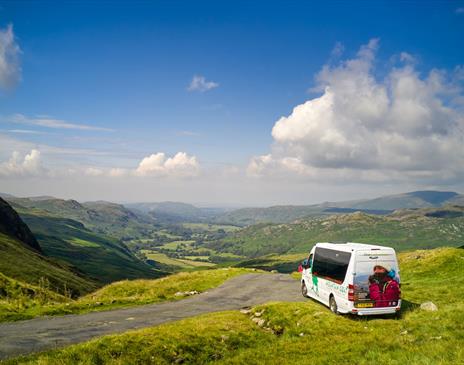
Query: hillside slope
point(22, 258)
point(403, 230)
point(102, 217)
point(174, 212)
point(102, 258)
point(293, 333)
point(31, 267)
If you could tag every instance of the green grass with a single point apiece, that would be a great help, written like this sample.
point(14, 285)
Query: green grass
point(120, 294)
point(282, 263)
point(80, 242)
point(197, 263)
point(17, 297)
point(304, 332)
point(27, 266)
point(175, 244)
point(164, 259)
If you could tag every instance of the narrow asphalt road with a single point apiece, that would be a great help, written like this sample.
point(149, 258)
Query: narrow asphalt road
point(45, 333)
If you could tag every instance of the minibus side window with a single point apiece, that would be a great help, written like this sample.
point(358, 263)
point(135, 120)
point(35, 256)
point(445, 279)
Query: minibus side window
point(308, 263)
point(331, 264)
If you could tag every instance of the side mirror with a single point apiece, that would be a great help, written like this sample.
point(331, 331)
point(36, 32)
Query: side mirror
point(305, 263)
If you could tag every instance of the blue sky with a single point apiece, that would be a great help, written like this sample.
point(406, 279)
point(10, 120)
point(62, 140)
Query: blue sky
point(124, 68)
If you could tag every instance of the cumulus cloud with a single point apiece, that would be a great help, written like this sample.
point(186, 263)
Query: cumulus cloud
point(93, 171)
point(48, 122)
point(29, 165)
point(404, 126)
point(10, 70)
point(199, 83)
point(337, 50)
point(158, 164)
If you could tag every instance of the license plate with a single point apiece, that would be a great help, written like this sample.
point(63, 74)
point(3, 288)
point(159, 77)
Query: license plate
point(364, 305)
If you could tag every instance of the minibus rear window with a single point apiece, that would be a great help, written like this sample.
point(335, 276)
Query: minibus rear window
point(331, 264)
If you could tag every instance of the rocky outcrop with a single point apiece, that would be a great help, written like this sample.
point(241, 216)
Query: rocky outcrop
point(12, 225)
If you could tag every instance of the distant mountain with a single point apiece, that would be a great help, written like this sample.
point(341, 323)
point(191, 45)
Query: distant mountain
point(101, 217)
point(174, 212)
point(415, 199)
point(381, 205)
point(403, 229)
point(21, 258)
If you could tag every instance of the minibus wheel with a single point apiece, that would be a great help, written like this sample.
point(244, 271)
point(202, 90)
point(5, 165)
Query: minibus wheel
point(333, 304)
point(304, 289)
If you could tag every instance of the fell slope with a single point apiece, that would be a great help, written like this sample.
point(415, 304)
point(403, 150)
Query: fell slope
point(102, 258)
point(279, 333)
point(403, 230)
point(101, 217)
point(22, 258)
point(31, 267)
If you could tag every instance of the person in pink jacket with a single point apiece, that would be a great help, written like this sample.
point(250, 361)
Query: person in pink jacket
point(383, 288)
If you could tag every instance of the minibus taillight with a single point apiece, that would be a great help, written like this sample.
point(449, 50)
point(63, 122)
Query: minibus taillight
point(351, 292)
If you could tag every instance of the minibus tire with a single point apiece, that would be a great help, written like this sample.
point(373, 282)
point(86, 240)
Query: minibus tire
point(304, 289)
point(333, 304)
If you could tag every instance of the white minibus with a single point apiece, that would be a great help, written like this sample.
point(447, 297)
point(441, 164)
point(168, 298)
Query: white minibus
point(353, 278)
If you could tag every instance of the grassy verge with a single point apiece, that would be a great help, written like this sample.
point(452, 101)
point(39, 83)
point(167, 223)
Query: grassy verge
point(116, 295)
point(281, 333)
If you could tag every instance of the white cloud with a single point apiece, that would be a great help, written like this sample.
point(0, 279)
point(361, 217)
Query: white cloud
point(48, 122)
point(402, 127)
point(93, 171)
point(157, 164)
point(338, 50)
point(199, 83)
point(10, 70)
point(118, 172)
point(407, 57)
point(29, 165)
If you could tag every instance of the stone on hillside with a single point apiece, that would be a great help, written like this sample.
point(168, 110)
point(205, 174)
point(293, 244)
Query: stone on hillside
point(245, 310)
point(429, 306)
point(259, 321)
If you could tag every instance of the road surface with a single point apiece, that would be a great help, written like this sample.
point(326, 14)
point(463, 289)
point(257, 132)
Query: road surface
point(39, 334)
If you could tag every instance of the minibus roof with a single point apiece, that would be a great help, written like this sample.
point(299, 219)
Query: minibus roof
point(352, 246)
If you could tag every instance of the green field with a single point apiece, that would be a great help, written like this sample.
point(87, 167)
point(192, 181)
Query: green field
point(187, 263)
point(174, 245)
point(292, 333)
point(205, 227)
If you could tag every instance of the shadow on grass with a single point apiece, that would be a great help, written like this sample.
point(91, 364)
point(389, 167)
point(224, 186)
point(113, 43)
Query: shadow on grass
point(406, 306)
